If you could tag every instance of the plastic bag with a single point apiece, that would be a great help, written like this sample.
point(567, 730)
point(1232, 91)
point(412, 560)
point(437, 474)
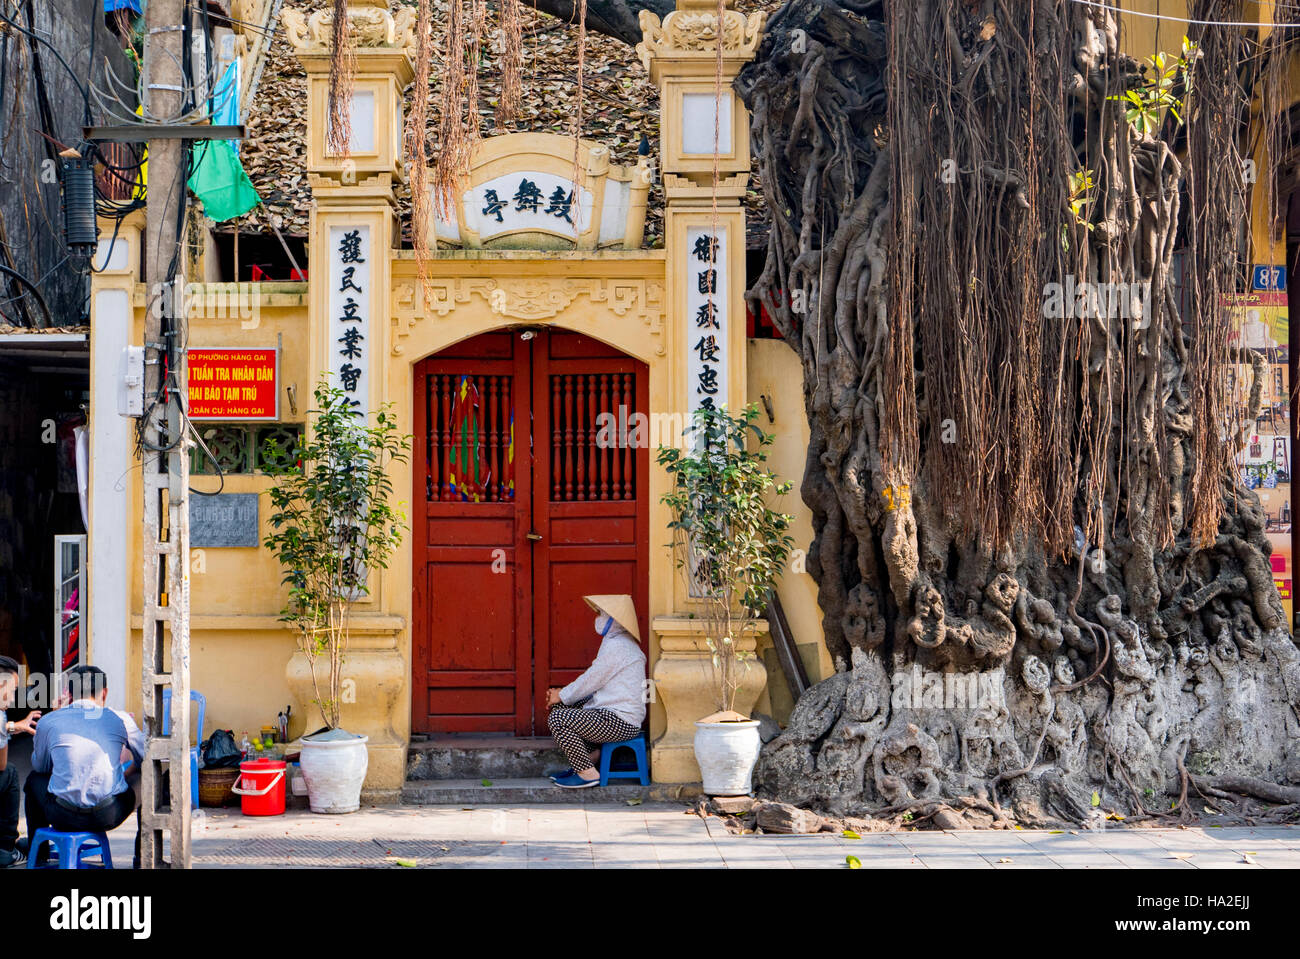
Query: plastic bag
point(220, 751)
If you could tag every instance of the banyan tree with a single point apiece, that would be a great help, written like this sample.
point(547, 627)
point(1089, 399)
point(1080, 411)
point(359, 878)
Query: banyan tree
point(1000, 247)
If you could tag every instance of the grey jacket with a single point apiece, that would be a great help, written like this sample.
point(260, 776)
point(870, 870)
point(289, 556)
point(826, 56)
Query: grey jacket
point(615, 681)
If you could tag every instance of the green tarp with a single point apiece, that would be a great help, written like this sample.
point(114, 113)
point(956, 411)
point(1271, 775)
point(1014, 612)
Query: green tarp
point(220, 182)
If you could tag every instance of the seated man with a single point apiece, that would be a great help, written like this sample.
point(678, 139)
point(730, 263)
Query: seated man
point(10, 795)
point(77, 783)
point(606, 704)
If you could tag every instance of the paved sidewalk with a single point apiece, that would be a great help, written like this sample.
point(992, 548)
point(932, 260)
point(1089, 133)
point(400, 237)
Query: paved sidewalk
point(662, 836)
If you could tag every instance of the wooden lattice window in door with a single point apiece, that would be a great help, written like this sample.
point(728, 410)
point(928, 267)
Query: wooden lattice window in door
point(471, 447)
point(592, 455)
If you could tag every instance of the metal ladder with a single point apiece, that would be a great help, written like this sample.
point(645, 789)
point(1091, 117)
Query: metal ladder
point(166, 664)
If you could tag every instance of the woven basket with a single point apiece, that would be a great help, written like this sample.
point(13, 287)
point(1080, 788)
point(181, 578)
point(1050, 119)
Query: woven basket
point(216, 787)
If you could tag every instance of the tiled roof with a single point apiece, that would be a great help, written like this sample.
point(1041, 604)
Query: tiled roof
point(620, 105)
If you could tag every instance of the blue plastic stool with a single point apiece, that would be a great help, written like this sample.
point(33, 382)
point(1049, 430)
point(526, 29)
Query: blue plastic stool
point(640, 772)
point(70, 849)
point(195, 697)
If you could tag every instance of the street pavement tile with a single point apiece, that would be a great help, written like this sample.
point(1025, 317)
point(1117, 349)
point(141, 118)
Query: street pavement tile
point(663, 835)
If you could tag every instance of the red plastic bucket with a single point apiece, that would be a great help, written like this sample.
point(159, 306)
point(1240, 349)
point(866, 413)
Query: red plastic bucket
point(260, 787)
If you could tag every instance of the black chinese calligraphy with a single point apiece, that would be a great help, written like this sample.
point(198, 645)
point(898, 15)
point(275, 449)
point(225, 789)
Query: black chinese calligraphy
point(350, 247)
point(706, 317)
point(708, 349)
point(528, 198)
point(561, 204)
point(494, 205)
point(705, 249)
point(349, 281)
point(351, 311)
point(351, 340)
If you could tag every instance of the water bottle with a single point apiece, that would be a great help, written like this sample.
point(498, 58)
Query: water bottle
point(247, 747)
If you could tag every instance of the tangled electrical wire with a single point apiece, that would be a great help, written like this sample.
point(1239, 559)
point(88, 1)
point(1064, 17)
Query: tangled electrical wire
point(127, 102)
point(118, 188)
point(197, 103)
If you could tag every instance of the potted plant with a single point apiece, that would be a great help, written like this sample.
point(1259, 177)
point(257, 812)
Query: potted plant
point(332, 526)
point(732, 546)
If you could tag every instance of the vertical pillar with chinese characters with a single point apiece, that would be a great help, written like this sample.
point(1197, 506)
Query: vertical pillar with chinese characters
point(705, 165)
point(352, 235)
point(354, 210)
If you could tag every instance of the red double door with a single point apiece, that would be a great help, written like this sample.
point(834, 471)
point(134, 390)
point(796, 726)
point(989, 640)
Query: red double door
point(528, 497)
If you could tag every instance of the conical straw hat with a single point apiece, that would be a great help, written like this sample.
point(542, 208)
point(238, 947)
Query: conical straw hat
point(619, 608)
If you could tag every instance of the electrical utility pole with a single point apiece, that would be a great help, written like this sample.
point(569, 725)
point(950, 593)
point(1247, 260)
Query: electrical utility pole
point(177, 112)
point(166, 540)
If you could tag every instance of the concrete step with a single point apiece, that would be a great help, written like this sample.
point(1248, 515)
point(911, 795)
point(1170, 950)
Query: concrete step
point(521, 791)
point(482, 757)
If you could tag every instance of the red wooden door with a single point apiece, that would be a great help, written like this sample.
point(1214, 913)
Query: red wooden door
point(522, 507)
point(588, 500)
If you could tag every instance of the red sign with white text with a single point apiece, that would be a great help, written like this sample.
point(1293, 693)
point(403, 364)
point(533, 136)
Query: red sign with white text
point(233, 384)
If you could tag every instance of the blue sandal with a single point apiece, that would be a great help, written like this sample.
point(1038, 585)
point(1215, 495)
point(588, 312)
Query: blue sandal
point(576, 782)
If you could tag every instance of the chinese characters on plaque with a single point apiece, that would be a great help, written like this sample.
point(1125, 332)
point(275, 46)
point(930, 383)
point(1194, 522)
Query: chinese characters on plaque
point(706, 330)
point(706, 318)
point(349, 315)
point(524, 202)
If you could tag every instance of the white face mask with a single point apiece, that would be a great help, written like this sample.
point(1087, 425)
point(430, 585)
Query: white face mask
point(601, 620)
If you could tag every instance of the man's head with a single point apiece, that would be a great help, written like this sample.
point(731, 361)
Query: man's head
point(8, 681)
point(86, 682)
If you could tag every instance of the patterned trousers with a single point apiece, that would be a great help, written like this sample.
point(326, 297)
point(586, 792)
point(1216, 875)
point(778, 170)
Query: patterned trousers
point(577, 730)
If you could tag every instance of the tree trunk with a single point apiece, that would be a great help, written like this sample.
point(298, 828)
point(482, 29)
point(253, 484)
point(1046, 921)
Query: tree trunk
point(1041, 582)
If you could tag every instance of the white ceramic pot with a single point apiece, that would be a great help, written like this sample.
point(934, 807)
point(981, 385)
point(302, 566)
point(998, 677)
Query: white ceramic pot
point(334, 770)
point(727, 753)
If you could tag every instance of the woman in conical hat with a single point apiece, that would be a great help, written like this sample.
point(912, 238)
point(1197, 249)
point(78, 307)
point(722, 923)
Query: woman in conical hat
point(606, 704)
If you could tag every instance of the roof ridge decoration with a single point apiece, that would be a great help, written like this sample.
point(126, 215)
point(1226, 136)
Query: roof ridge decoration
point(370, 23)
point(692, 31)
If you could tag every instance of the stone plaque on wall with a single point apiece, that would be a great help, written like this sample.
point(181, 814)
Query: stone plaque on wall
point(225, 520)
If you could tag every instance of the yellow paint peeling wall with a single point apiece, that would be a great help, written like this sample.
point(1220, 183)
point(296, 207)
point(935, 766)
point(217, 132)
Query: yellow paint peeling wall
point(775, 372)
point(238, 648)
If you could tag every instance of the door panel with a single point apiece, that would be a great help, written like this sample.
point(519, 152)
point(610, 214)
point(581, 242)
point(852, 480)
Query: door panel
point(522, 507)
point(592, 521)
point(472, 645)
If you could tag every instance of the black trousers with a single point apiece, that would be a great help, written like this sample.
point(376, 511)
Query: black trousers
point(10, 798)
point(43, 809)
point(577, 730)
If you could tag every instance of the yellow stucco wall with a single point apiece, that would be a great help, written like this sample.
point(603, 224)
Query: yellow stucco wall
point(1144, 36)
point(238, 648)
point(775, 372)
